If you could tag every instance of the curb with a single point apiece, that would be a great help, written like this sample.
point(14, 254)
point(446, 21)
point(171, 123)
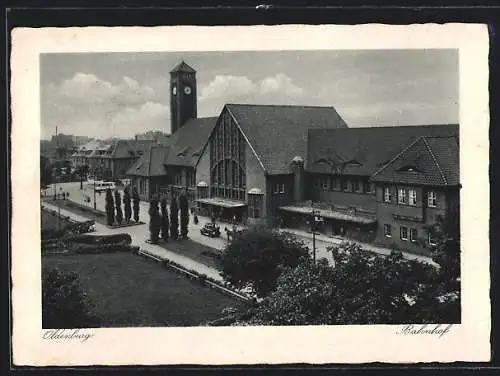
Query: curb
point(193, 275)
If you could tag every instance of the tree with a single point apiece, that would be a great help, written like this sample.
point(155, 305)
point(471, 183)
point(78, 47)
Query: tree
point(65, 304)
point(184, 208)
point(259, 255)
point(126, 204)
point(361, 288)
point(135, 199)
point(45, 171)
point(110, 207)
point(154, 221)
point(118, 204)
point(164, 219)
point(174, 219)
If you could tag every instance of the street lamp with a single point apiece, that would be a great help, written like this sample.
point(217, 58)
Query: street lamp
point(313, 228)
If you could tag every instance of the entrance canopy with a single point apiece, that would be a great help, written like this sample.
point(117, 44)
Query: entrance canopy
point(222, 202)
point(330, 214)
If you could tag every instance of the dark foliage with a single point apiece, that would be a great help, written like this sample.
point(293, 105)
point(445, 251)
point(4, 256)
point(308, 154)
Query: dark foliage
point(184, 211)
point(135, 200)
point(165, 223)
point(110, 207)
point(118, 204)
point(154, 221)
point(259, 255)
point(126, 205)
point(65, 304)
point(174, 219)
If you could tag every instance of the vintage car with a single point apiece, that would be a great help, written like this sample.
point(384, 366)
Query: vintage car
point(210, 229)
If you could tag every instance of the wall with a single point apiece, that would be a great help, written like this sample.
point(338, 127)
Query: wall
point(255, 177)
point(277, 199)
point(426, 216)
point(203, 167)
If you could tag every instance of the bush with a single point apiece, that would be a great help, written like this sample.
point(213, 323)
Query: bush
point(184, 207)
point(118, 204)
point(135, 198)
point(154, 222)
point(174, 219)
point(164, 219)
point(110, 208)
point(126, 205)
point(116, 239)
point(65, 303)
point(259, 255)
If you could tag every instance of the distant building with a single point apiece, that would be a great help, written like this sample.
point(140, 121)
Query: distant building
point(295, 163)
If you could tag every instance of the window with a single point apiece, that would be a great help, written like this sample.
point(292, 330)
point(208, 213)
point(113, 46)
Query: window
point(178, 179)
point(357, 186)
point(368, 188)
point(254, 205)
point(403, 232)
point(324, 182)
point(387, 230)
point(402, 196)
point(276, 188)
point(431, 239)
point(431, 199)
point(345, 185)
point(412, 197)
point(282, 188)
point(387, 194)
point(413, 235)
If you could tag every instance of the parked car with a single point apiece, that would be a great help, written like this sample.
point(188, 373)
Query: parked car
point(210, 229)
point(104, 185)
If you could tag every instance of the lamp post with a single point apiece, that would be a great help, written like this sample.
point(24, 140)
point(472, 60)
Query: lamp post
point(313, 227)
point(95, 175)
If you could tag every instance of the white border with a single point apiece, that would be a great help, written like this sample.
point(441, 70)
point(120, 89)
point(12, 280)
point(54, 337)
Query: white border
point(246, 345)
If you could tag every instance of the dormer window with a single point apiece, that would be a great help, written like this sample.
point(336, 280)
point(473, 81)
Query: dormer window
point(409, 168)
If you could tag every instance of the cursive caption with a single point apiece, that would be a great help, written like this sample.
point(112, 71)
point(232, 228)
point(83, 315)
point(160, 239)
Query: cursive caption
point(67, 335)
point(436, 330)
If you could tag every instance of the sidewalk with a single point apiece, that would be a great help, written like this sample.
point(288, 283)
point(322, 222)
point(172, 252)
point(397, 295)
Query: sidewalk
point(139, 235)
point(369, 247)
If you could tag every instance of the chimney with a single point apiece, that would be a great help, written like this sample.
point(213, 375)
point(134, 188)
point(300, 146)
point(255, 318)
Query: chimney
point(298, 178)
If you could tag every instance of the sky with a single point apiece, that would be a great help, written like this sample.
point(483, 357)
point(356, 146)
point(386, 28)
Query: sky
point(120, 94)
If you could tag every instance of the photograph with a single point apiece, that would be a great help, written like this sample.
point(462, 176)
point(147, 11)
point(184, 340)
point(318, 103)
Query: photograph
point(245, 188)
point(195, 185)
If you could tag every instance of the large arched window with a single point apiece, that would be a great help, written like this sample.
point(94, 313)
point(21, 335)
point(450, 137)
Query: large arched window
point(227, 161)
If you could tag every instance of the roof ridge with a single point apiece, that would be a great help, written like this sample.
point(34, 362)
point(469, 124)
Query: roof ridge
point(279, 105)
point(429, 149)
point(397, 156)
point(390, 127)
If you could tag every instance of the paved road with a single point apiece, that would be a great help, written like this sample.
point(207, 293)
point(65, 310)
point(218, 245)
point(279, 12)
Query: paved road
point(322, 243)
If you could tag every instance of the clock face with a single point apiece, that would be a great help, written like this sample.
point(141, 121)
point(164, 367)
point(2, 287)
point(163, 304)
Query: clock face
point(174, 90)
point(187, 90)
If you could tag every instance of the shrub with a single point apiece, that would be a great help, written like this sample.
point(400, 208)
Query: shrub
point(184, 208)
point(174, 219)
point(259, 255)
point(118, 204)
point(110, 208)
point(154, 221)
point(126, 205)
point(65, 303)
point(164, 219)
point(135, 198)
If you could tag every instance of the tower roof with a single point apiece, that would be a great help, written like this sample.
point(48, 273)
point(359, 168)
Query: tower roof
point(183, 67)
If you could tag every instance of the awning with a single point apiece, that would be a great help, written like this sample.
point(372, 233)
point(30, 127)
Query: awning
point(330, 214)
point(222, 202)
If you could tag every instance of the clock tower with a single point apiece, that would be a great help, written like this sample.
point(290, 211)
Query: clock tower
point(183, 99)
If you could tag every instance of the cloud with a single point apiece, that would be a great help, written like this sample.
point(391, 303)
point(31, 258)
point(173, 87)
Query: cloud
point(148, 116)
point(280, 83)
point(226, 87)
point(88, 88)
point(230, 87)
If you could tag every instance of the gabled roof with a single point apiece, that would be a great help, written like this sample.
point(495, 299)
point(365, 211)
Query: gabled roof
point(130, 148)
point(183, 67)
point(151, 163)
point(187, 143)
point(427, 161)
point(279, 133)
point(363, 151)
